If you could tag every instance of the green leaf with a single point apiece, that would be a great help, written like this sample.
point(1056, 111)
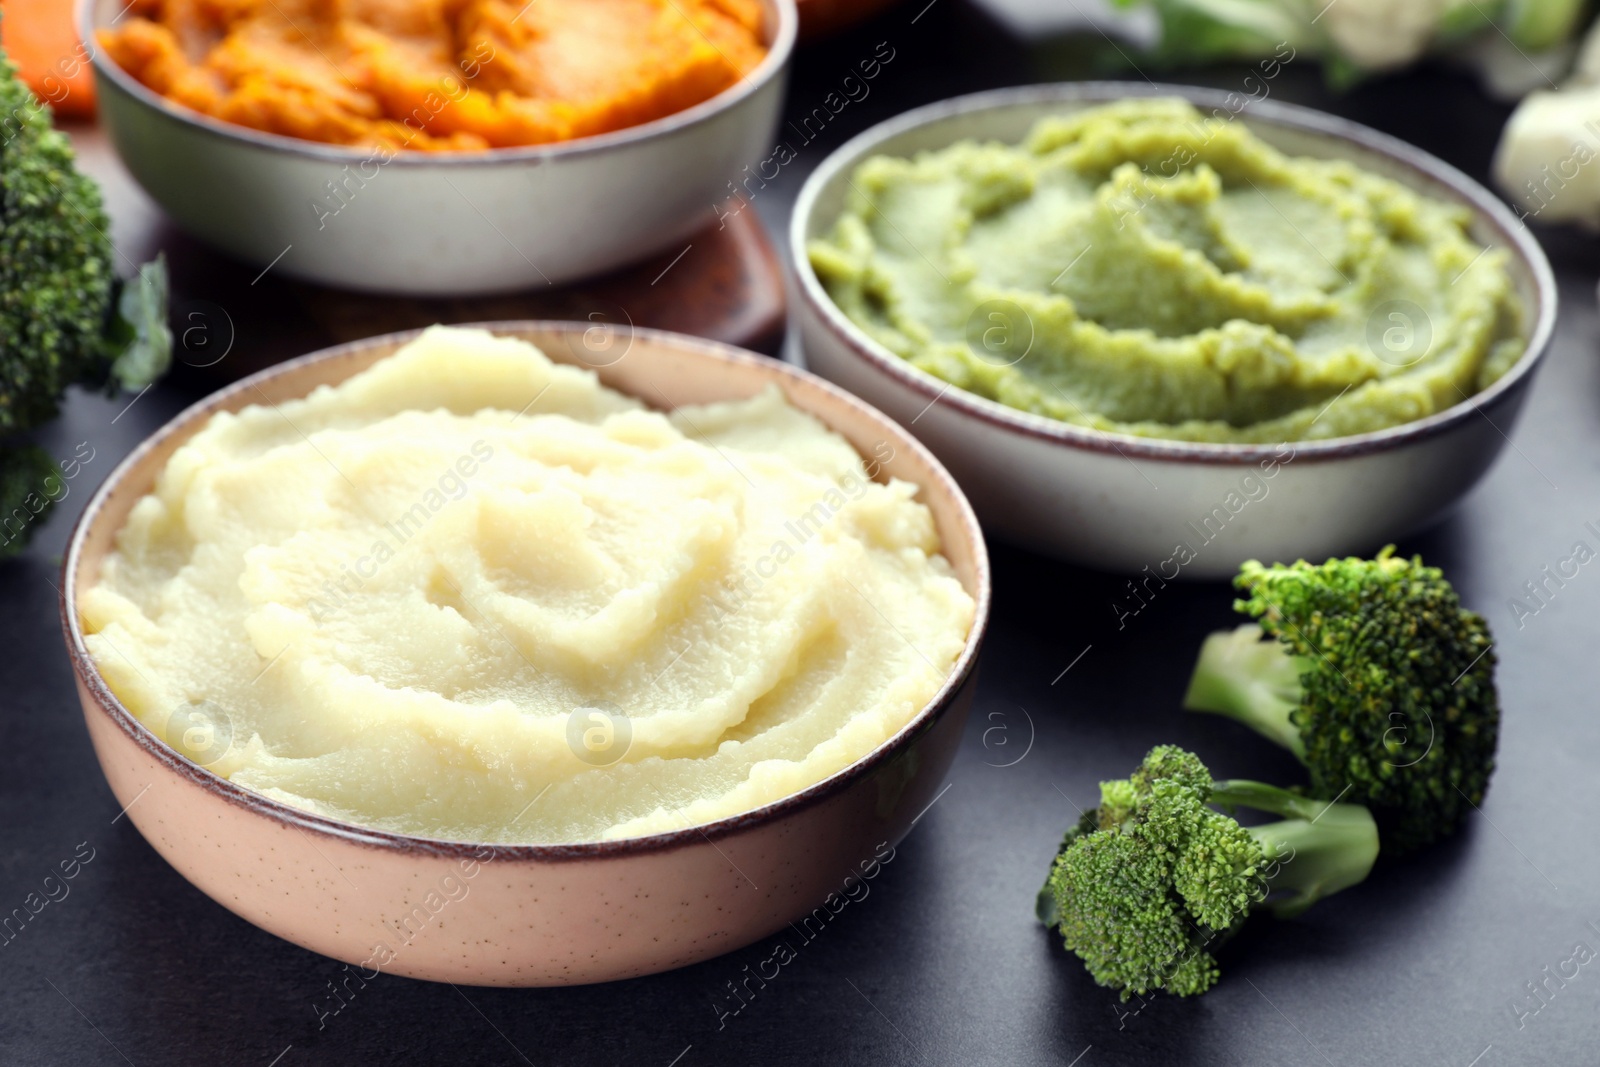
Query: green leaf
point(141, 329)
point(1045, 907)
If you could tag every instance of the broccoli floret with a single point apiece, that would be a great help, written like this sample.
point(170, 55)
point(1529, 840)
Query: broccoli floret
point(25, 494)
point(1374, 675)
point(1147, 884)
point(65, 318)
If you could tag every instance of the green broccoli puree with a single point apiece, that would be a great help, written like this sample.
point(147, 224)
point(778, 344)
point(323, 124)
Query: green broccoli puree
point(1143, 269)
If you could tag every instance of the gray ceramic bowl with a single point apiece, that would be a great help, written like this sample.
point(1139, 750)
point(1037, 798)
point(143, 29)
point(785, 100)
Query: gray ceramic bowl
point(1125, 503)
point(442, 224)
point(533, 914)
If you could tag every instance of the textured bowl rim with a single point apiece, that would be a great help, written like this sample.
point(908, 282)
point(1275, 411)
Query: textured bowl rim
point(257, 803)
point(1488, 209)
point(771, 67)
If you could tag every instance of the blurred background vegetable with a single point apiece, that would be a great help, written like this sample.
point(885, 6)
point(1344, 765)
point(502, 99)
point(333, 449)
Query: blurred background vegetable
point(42, 41)
point(65, 317)
point(1515, 43)
point(1546, 155)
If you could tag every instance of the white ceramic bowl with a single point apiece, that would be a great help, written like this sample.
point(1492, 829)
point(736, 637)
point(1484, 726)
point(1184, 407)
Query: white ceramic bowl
point(467, 223)
point(1124, 503)
point(533, 914)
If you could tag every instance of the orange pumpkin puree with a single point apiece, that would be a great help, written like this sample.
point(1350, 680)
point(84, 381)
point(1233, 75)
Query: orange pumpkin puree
point(438, 75)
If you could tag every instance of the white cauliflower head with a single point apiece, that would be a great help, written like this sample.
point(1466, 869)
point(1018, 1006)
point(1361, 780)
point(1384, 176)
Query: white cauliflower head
point(1549, 156)
point(1383, 34)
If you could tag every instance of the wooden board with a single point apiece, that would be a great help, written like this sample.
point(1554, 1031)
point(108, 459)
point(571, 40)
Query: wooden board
point(724, 283)
point(231, 319)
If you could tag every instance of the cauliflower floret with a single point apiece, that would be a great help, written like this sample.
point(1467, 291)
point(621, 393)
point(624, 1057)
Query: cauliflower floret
point(1383, 34)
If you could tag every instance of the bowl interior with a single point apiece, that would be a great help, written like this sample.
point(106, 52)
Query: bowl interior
point(780, 28)
point(663, 370)
point(1007, 116)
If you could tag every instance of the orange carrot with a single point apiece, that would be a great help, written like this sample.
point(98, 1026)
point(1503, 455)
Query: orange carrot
point(42, 41)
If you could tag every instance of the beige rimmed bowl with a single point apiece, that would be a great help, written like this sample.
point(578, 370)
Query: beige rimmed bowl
point(1169, 509)
point(529, 914)
point(449, 223)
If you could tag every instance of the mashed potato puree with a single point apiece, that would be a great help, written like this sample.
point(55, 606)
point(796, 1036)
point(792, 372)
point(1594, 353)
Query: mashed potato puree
point(402, 603)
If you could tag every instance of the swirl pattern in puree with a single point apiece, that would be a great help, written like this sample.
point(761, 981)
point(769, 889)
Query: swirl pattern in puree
point(401, 603)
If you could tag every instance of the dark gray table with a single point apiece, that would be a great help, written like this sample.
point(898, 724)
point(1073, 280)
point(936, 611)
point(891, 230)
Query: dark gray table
point(942, 963)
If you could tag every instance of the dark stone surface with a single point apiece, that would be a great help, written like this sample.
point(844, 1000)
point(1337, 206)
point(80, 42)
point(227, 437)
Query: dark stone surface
point(942, 962)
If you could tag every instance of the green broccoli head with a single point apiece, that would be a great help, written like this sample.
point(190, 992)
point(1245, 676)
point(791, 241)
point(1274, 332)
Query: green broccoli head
point(55, 263)
point(1140, 897)
point(1147, 884)
point(26, 495)
point(1375, 676)
point(65, 318)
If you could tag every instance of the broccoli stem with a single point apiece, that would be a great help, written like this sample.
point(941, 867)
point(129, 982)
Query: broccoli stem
point(1252, 679)
point(1318, 849)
